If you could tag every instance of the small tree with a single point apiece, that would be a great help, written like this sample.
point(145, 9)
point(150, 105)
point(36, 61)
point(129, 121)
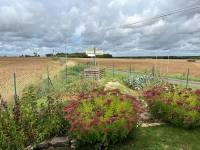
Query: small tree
point(35, 54)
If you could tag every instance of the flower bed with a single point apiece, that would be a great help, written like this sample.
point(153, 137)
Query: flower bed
point(103, 117)
point(179, 107)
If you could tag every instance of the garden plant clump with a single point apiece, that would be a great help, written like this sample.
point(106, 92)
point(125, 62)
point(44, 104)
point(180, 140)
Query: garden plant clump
point(142, 82)
point(179, 107)
point(103, 117)
point(28, 123)
point(137, 82)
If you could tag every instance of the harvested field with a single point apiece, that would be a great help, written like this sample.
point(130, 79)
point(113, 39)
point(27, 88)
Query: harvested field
point(162, 66)
point(29, 70)
point(23, 63)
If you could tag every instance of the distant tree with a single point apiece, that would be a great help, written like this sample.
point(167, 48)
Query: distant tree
point(78, 55)
point(60, 54)
point(49, 55)
point(35, 54)
point(104, 56)
point(27, 56)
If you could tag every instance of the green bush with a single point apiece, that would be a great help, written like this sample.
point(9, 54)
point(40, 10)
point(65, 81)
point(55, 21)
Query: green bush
point(103, 117)
point(179, 107)
point(27, 123)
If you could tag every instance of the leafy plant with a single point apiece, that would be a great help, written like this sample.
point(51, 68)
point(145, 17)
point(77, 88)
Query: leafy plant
point(143, 82)
point(27, 123)
point(103, 117)
point(136, 82)
point(12, 136)
point(179, 107)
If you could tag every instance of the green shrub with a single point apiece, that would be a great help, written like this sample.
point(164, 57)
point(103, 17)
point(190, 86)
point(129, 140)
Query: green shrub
point(179, 107)
point(27, 123)
point(103, 117)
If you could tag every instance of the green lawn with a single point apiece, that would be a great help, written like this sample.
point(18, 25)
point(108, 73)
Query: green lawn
point(165, 137)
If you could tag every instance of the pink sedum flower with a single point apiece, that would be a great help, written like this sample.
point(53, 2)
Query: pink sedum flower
point(105, 130)
point(98, 114)
point(132, 120)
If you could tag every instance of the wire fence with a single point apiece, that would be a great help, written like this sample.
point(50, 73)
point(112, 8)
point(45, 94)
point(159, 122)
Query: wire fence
point(47, 81)
point(173, 74)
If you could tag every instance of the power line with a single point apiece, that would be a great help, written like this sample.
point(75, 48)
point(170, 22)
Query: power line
point(141, 21)
point(144, 20)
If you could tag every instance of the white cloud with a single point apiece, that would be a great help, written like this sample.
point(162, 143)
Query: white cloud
point(111, 4)
point(117, 3)
point(94, 9)
point(191, 26)
point(73, 11)
point(79, 29)
point(153, 29)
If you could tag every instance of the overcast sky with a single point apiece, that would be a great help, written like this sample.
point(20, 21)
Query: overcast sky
point(42, 25)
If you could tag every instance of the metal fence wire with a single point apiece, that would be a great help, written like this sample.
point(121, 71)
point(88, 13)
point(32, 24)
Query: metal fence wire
point(46, 80)
point(176, 74)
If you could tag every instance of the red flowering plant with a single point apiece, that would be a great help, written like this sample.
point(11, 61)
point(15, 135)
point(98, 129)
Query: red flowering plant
point(103, 117)
point(180, 107)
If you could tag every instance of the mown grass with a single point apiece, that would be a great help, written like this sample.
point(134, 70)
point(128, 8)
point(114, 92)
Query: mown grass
point(164, 137)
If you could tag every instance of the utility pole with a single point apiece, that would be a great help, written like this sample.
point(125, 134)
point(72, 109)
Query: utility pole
point(65, 50)
point(94, 56)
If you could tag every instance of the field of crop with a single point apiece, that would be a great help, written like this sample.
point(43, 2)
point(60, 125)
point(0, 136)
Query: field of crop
point(161, 66)
point(28, 71)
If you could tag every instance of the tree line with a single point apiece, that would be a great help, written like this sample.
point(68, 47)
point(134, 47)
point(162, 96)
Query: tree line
point(77, 55)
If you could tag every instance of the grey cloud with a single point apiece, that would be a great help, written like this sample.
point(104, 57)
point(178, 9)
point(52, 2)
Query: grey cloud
point(194, 41)
point(190, 26)
point(43, 26)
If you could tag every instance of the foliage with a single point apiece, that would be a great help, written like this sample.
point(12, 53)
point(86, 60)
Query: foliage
point(103, 118)
point(71, 82)
point(64, 82)
point(82, 86)
point(179, 107)
point(142, 81)
point(137, 82)
point(26, 123)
